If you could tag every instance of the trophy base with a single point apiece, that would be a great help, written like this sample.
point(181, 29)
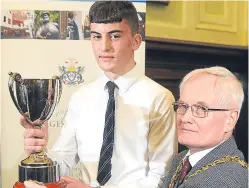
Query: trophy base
point(59, 184)
point(45, 174)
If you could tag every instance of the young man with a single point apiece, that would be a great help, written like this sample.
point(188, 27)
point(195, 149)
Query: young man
point(121, 127)
point(206, 118)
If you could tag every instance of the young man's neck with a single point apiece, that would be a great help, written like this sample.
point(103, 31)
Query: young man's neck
point(113, 76)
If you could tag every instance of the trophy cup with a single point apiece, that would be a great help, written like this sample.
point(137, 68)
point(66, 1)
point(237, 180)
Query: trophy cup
point(36, 100)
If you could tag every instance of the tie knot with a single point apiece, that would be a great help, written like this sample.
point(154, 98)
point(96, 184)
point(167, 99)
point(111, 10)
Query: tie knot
point(111, 87)
point(187, 163)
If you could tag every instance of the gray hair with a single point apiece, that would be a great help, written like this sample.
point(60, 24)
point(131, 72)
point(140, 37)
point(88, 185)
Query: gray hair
point(232, 89)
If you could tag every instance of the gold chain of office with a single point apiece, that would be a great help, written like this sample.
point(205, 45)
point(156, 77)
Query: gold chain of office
point(225, 159)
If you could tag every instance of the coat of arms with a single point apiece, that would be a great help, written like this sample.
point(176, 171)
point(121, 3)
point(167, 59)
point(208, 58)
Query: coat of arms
point(71, 74)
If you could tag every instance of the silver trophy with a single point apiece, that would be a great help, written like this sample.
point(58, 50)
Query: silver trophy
point(36, 100)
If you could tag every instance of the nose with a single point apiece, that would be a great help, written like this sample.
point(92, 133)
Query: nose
point(106, 44)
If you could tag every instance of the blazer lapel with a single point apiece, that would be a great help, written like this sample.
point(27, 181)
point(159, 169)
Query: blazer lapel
point(226, 148)
point(175, 165)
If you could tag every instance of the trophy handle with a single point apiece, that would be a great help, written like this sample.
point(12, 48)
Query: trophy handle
point(59, 87)
point(14, 77)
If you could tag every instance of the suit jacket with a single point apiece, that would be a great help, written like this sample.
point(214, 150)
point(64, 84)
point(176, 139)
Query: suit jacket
point(225, 175)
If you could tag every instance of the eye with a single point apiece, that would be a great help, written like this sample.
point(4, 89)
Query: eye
point(201, 110)
point(115, 36)
point(96, 37)
point(180, 108)
point(181, 104)
point(184, 106)
point(200, 107)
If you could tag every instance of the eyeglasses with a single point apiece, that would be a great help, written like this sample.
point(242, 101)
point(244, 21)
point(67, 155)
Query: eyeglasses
point(198, 110)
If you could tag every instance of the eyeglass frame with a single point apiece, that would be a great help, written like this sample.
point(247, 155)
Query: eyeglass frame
point(192, 110)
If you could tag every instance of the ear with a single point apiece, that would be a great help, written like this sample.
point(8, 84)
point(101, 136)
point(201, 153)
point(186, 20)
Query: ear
point(231, 121)
point(137, 40)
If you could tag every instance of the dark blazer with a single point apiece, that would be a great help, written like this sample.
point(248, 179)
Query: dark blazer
point(225, 175)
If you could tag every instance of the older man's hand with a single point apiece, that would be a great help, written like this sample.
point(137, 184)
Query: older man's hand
point(74, 183)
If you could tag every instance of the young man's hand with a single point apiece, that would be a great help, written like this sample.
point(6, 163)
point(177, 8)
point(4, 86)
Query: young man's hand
point(35, 139)
point(74, 183)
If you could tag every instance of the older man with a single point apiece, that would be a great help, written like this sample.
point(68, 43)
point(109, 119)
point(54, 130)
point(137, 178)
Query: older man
point(207, 111)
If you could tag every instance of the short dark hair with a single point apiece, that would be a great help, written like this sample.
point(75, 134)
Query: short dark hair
point(114, 11)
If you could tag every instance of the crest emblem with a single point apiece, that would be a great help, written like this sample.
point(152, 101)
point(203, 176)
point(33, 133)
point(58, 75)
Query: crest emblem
point(71, 73)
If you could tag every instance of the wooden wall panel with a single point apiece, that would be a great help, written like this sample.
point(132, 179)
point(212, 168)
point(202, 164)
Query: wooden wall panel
point(217, 15)
point(213, 22)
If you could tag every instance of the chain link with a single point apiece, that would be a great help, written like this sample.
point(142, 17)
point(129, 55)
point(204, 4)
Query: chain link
point(176, 174)
point(225, 159)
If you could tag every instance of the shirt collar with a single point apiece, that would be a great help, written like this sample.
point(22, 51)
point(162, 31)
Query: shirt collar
point(125, 81)
point(195, 157)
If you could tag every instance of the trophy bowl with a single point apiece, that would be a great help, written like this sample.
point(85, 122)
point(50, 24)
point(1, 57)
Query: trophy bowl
point(36, 100)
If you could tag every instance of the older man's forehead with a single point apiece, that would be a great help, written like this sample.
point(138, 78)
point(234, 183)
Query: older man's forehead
point(199, 89)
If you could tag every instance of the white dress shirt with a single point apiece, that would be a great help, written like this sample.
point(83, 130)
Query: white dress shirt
point(196, 157)
point(145, 131)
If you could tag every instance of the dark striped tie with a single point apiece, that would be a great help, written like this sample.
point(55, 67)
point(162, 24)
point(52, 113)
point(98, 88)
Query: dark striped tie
point(105, 166)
